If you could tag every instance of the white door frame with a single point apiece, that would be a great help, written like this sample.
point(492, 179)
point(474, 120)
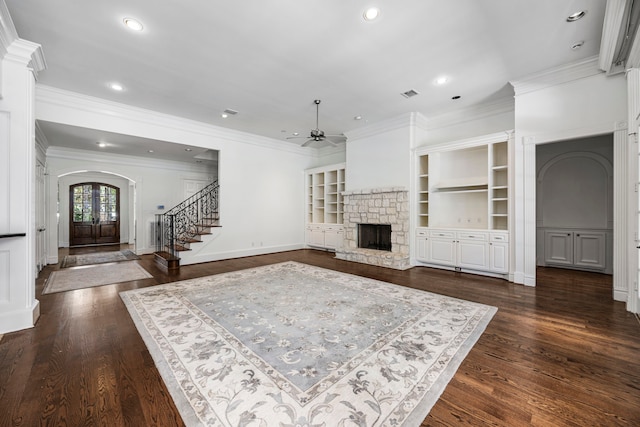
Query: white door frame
point(621, 182)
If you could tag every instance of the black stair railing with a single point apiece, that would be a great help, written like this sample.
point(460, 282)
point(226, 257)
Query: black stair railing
point(184, 223)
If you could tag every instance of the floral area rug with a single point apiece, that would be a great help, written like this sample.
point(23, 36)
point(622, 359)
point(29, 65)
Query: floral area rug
point(89, 276)
point(290, 344)
point(97, 258)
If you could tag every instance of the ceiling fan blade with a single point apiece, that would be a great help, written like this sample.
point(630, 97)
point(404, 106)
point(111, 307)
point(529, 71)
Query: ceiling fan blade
point(335, 140)
point(306, 143)
point(296, 137)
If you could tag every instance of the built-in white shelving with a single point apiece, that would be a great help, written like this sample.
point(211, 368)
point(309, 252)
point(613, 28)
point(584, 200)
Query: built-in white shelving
point(325, 206)
point(462, 200)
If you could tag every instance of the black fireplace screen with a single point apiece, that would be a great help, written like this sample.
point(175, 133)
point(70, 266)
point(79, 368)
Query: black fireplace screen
point(374, 236)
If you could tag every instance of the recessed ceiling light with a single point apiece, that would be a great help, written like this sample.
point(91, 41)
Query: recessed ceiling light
point(577, 45)
point(133, 24)
point(150, 151)
point(188, 149)
point(101, 144)
point(296, 133)
point(442, 80)
point(116, 86)
point(576, 16)
point(357, 118)
point(224, 115)
point(371, 14)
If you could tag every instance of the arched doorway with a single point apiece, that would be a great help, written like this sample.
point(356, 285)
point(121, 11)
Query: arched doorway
point(94, 214)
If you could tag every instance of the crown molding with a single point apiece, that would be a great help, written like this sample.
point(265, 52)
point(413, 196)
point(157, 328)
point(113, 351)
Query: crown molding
point(471, 113)
point(613, 16)
point(399, 122)
point(491, 138)
point(28, 53)
point(556, 76)
point(120, 160)
point(8, 32)
point(73, 100)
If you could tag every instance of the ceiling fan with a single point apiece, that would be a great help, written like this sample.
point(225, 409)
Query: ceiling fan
point(318, 135)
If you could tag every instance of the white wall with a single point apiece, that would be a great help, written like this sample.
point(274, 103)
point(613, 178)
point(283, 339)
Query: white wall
point(261, 180)
point(379, 156)
point(470, 123)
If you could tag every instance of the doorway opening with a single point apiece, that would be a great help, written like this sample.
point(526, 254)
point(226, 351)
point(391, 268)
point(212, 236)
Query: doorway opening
point(94, 214)
point(574, 204)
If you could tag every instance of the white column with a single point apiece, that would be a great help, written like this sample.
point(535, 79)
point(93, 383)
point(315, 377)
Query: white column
point(19, 308)
point(631, 237)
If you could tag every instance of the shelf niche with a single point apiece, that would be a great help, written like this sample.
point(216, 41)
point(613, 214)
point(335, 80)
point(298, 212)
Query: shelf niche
point(464, 184)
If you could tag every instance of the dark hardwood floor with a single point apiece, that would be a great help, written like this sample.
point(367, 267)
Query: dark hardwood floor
point(560, 354)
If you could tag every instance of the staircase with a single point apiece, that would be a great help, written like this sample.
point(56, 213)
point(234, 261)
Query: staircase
point(185, 224)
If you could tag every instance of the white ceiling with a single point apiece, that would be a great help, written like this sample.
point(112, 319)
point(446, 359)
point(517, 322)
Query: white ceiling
point(270, 59)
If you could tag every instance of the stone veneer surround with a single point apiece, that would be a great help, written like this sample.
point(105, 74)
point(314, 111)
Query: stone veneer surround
point(377, 206)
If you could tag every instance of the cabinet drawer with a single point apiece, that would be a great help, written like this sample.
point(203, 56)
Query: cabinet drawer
point(422, 233)
point(499, 237)
point(442, 234)
point(479, 236)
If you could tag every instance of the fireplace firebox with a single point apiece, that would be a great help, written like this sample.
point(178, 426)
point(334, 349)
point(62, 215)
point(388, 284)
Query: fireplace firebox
point(374, 236)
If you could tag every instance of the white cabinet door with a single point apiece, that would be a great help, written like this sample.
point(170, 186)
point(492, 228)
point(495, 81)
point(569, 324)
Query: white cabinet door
point(499, 257)
point(315, 236)
point(422, 246)
point(333, 237)
point(473, 254)
point(442, 251)
point(590, 249)
point(558, 247)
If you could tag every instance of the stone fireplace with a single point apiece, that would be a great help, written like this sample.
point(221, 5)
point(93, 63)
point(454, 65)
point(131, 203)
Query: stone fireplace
point(379, 206)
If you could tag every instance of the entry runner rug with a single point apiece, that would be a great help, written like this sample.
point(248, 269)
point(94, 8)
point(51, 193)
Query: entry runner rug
point(98, 258)
point(290, 344)
point(93, 275)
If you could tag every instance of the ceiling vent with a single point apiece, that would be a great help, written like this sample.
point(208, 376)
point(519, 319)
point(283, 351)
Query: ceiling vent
point(230, 111)
point(620, 47)
point(409, 94)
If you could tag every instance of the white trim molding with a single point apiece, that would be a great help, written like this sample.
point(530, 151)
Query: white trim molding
point(52, 100)
point(556, 76)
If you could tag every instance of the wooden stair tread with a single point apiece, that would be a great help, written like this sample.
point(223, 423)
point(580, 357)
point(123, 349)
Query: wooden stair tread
point(188, 240)
point(181, 248)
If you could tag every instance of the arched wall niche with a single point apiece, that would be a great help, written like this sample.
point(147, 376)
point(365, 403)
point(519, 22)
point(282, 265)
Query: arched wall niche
point(575, 190)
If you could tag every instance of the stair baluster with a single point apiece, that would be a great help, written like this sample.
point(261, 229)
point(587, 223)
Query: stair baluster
point(183, 224)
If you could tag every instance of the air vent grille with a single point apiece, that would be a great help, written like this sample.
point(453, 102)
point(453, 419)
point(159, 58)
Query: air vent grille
point(409, 93)
point(230, 111)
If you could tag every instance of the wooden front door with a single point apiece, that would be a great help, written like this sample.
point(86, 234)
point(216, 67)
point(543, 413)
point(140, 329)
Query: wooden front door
point(94, 214)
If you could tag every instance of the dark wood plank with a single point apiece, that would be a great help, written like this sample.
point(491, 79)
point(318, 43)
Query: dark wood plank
point(562, 353)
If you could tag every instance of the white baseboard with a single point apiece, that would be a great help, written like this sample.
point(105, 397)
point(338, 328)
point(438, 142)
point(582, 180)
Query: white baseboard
point(17, 320)
point(200, 258)
point(620, 296)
